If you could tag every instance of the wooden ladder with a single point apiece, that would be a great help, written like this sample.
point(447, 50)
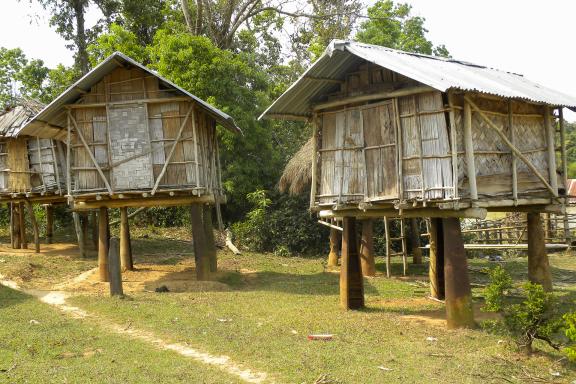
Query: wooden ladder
point(389, 241)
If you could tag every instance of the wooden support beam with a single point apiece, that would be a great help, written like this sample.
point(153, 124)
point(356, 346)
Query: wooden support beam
point(103, 244)
point(436, 267)
point(115, 274)
point(35, 229)
point(351, 280)
point(126, 261)
point(144, 202)
point(469, 151)
point(367, 249)
point(14, 237)
point(79, 233)
point(22, 226)
point(563, 148)
point(200, 243)
point(459, 311)
point(473, 213)
point(514, 160)
point(388, 249)
point(414, 241)
point(551, 146)
point(453, 143)
point(324, 80)
point(211, 254)
point(512, 147)
point(335, 238)
point(315, 142)
point(538, 265)
point(49, 224)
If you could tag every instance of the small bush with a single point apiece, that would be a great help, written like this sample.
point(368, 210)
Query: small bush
point(570, 332)
point(494, 294)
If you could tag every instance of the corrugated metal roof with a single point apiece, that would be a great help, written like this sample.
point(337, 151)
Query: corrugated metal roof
point(437, 72)
point(51, 121)
point(15, 117)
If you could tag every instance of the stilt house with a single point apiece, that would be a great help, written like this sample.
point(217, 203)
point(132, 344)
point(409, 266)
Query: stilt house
point(398, 134)
point(134, 139)
point(30, 171)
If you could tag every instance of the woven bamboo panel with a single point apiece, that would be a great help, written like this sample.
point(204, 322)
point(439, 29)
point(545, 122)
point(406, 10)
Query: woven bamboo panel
point(19, 179)
point(4, 174)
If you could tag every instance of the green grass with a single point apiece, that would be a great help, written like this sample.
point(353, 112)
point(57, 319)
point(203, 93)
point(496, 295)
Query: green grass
point(63, 350)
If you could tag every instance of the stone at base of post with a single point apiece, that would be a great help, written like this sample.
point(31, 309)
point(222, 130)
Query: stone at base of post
point(538, 265)
point(335, 236)
point(367, 249)
point(115, 275)
point(436, 265)
point(125, 245)
point(200, 245)
point(351, 280)
point(210, 243)
point(459, 310)
point(103, 244)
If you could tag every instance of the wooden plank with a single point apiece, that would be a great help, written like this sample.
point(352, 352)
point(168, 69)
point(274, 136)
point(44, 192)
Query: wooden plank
point(314, 182)
point(469, 151)
point(551, 144)
point(563, 149)
point(514, 160)
point(454, 143)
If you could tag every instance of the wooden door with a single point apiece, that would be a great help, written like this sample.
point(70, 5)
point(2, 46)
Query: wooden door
point(381, 157)
point(129, 137)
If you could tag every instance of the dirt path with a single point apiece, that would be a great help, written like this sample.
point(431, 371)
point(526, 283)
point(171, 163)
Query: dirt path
point(58, 300)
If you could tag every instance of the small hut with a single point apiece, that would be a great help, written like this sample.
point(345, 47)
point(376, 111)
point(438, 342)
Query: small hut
point(399, 134)
point(137, 140)
point(30, 170)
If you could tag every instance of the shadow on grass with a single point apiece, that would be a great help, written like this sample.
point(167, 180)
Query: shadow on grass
point(9, 297)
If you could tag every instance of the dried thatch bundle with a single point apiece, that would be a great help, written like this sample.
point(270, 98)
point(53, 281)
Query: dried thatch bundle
point(298, 172)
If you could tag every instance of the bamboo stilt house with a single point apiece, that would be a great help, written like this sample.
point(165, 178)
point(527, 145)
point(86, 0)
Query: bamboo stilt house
point(137, 140)
point(30, 166)
point(402, 131)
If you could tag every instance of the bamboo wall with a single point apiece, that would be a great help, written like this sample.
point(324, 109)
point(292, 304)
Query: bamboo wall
point(129, 124)
point(402, 148)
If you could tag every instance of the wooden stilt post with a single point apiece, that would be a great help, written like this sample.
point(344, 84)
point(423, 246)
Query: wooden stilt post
point(200, 244)
point(115, 274)
point(459, 311)
point(103, 244)
point(335, 238)
point(34, 226)
point(538, 266)
point(388, 249)
point(351, 280)
point(414, 240)
point(13, 234)
point(16, 225)
point(367, 248)
point(79, 234)
point(94, 218)
point(22, 226)
point(49, 224)
point(126, 261)
point(210, 243)
point(436, 267)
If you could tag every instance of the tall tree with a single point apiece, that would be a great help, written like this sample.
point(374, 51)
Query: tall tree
point(392, 25)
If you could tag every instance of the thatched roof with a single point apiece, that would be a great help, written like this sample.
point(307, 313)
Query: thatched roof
point(298, 172)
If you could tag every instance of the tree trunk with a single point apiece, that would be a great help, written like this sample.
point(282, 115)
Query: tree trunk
point(414, 239)
point(187, 15)
point(210, 243)
point(200, 243)
point(103, 244)
point(22, 226)
point(199, 15)
point(538, 266)
point(81, 39)
point(49, 224)
point(436, 267)
point(351, 280)
point(126, 261)
point(34, 226)
point(459, 311)
point(367, 249)
point(335, 238)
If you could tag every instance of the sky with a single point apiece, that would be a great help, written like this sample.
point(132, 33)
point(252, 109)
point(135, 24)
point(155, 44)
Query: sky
point(522, 36)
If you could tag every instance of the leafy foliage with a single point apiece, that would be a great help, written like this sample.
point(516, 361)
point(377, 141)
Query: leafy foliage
point(494, 294)
point(570, 331)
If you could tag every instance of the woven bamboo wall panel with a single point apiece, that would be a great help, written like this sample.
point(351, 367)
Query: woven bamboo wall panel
point(19, 179)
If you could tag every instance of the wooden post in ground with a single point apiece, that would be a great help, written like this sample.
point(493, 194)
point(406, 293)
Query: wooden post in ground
point(200, 243)
point(351, 280)
point(103, 244)
point(79, 234)
point(388, 249)
point(16, 225)
point(459, 311)
point(13, 233)
point(126, 261)
point(538, 266)
point(34, 226)
point(49, 224)
point(414, 240)
point(436, 267)
point(210, 243)
point(22, 226)
point(115, 274)
point(335, 238)
point(367, 248)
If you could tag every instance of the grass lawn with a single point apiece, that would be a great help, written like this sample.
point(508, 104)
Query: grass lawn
point(38, 344)
point(270, 304)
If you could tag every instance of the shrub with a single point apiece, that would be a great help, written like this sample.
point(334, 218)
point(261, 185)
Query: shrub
point(570, 332)
point(494, 294)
